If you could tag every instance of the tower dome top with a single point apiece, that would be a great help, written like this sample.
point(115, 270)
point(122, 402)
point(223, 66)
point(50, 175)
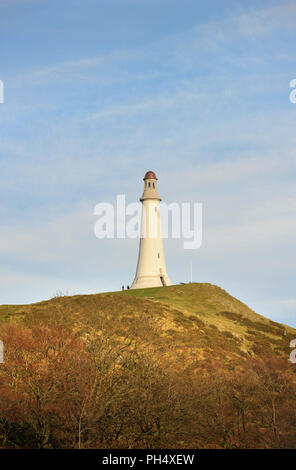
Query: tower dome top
point(150, 175)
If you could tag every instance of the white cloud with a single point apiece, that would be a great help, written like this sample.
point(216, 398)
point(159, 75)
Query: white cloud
point(183, 49)
point(201, 128)
point(21, 287)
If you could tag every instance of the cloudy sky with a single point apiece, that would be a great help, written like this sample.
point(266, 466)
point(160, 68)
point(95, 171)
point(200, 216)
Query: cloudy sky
point(97, 92)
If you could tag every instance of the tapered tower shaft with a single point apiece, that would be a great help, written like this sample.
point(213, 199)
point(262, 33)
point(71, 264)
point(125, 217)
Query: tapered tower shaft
point(151, 268)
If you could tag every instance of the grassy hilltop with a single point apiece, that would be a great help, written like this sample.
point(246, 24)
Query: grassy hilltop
point(178, 366)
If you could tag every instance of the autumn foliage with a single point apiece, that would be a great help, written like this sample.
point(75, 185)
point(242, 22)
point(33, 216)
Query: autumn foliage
point(67, 388)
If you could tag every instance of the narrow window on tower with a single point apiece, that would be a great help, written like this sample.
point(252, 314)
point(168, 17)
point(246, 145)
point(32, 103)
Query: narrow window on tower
point(158, 255)
point(153, 185)
point(149, 184)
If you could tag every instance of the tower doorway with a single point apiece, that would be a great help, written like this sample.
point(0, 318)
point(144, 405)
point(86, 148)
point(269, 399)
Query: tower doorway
point(162, 280)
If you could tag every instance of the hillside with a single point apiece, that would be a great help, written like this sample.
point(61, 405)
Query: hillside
point(201, 316)
point(145, 353)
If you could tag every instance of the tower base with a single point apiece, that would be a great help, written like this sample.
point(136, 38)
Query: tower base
point(144, 282)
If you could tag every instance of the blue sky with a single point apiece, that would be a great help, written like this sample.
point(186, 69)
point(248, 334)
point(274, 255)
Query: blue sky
point(99, 92)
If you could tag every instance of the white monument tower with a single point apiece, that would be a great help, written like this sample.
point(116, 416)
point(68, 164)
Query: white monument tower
point(151, 268)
